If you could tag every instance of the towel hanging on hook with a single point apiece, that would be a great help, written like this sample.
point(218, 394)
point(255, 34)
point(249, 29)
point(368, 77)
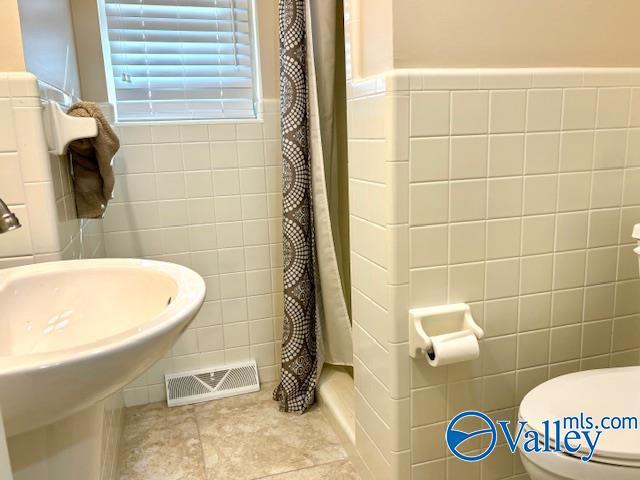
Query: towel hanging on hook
point(91, 160)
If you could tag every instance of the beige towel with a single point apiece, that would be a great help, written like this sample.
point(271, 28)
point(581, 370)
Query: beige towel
point(93, 179)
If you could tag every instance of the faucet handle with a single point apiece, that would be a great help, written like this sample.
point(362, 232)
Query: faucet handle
point(8, 220)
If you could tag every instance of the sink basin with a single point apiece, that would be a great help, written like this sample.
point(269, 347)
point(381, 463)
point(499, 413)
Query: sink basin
point(74, 332)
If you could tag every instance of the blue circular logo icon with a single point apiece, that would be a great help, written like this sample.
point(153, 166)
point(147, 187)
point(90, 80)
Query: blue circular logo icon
point(456, 438)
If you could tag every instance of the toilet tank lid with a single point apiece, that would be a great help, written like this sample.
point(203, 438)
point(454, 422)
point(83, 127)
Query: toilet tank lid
point(611, 392)
point(636, 231)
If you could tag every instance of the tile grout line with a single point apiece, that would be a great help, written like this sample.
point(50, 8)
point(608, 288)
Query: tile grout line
point(204, 462)
point(275, 475)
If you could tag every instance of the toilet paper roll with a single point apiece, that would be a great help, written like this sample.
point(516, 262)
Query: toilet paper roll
point(453, 348)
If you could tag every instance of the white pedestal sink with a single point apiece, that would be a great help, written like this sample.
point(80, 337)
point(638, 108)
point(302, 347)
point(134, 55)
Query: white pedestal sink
point(72, 333)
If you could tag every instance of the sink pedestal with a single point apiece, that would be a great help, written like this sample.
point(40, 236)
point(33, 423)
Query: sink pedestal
point(83, 446)
point(5, 465)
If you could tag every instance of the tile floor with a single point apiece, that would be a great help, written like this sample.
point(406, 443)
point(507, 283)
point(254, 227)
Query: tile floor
point(239, 438)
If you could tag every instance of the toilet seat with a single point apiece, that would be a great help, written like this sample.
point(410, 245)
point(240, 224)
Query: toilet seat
point(598, 458)
point(554, 466)
point(597, 393)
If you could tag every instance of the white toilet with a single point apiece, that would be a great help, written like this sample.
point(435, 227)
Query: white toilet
point(597, 393)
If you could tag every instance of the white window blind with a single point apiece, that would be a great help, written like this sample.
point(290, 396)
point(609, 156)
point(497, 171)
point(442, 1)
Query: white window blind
point(180, 59)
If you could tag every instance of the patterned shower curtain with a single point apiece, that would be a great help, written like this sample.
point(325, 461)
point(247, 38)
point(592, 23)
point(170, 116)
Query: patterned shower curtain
point(296, 391)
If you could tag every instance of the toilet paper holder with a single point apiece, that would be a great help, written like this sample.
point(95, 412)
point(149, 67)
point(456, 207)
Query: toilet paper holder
point(428, 322)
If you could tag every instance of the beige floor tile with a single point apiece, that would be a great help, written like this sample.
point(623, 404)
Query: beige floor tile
point(246, 437)
point(243, 437)
point(162, 449)
point(342, 470)
point(157, 412)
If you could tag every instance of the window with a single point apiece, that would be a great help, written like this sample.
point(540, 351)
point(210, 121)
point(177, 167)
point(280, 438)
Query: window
point(179, 59)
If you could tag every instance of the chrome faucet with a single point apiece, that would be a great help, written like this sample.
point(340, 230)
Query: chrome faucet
point(8, 220)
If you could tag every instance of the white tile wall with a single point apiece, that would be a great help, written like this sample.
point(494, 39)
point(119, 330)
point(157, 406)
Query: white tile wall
point(511, 190)
point(207, 196)
point(35, 184)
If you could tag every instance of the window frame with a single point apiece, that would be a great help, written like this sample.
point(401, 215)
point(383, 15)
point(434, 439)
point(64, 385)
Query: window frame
point(254, 36)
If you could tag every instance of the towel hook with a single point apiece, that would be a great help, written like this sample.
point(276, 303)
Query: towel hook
point(61, 129)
